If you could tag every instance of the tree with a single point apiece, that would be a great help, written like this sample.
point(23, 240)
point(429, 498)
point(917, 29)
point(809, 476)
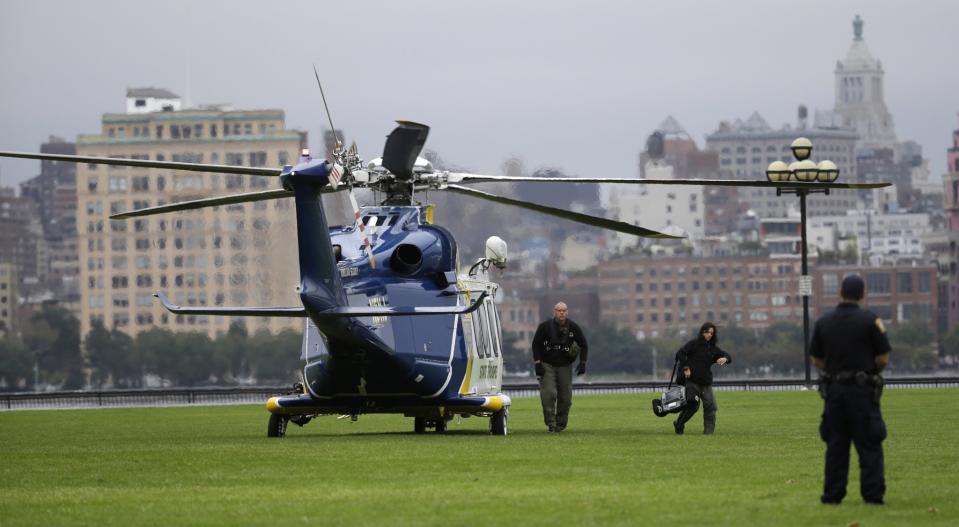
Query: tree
point(16, 364)
point(275, 357)
point(912, 347)
point(614, 350)
point(99, 350)
point(232, 353)
point(53, 335)
point(949, 344)
point(155, 352)
point(188, 361)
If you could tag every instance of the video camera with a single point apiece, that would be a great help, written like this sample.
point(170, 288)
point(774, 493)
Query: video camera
point(674, 399)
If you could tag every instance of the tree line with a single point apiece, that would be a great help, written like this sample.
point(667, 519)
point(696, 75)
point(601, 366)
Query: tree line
point(774, 352)
point(47, 351)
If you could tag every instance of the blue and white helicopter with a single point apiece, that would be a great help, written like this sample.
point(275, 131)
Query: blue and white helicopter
point(393, 327)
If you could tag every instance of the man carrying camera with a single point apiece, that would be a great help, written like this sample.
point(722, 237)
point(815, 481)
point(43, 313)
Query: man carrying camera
point(554, 350)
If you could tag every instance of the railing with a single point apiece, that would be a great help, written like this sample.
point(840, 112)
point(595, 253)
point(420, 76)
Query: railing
point(258, 395)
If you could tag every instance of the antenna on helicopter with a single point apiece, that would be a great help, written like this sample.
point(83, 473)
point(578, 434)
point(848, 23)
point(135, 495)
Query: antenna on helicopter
point(348, 160)
point(336, 140)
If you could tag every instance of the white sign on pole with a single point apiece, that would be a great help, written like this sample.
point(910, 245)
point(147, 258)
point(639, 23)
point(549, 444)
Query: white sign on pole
point(805, 285)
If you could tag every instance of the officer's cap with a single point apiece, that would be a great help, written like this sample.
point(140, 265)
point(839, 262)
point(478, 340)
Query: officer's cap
point(853, 288)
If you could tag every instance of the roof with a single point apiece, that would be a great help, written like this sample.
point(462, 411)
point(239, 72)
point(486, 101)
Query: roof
point(158, 93)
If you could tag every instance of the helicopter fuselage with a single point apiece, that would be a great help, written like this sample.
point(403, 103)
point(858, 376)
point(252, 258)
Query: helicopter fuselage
point(432, 365)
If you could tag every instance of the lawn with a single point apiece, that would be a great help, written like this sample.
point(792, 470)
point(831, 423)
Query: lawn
point(617, 464)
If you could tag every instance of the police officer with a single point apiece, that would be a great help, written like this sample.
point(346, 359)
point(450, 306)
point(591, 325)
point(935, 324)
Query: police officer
point(850, 346)
point(553, 356)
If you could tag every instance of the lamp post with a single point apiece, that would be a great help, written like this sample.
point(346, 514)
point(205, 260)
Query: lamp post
point(803, 170)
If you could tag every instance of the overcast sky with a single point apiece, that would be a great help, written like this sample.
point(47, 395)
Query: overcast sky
point(577, 86)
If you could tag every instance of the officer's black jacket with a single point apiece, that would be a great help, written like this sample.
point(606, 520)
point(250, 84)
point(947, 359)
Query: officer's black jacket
point(549, 344)
point(698, 355)
point(849, 338)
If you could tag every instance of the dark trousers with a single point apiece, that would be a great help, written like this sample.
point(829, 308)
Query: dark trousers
point(705, 394)
point(851, 415)
point(556, 394)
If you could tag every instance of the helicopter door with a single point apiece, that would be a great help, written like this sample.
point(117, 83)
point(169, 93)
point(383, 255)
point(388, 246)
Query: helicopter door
point(497, 339)
point(486, 361)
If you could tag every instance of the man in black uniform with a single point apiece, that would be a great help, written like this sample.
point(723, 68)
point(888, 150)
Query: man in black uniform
point(850, 346)
point(553, 356)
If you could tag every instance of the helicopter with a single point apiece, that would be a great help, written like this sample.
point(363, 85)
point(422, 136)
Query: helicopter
point(392, 326)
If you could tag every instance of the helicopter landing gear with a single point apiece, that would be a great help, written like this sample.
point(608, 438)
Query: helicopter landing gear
point(497, 422)
point(277, 426)
point(419, 425)
point(301, 420)
point(440, 425)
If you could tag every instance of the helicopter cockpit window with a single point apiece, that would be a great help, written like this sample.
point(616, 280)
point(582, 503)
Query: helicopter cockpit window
point(495, 329)
point(482, 334)
point(468, 334)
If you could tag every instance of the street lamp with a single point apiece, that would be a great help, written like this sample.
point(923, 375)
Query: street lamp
point(803, 171)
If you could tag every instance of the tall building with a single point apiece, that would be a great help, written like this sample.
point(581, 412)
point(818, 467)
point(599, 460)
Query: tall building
point(55, 193)
point(8, 299)
point(859, 95)
point(946, 246)
point(747, 147)
point(670, 154)
point(235, 255)
point(21, 239)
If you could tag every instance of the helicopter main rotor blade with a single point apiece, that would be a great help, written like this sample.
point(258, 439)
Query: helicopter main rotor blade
point(144, 163)
point(402, 146)
point(208, 202)
point(586, 219)
point(460, 177)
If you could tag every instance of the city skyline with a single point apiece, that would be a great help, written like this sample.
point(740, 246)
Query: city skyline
point(570, 86)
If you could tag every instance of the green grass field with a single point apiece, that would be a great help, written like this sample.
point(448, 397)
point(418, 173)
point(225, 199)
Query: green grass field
point(617, 464)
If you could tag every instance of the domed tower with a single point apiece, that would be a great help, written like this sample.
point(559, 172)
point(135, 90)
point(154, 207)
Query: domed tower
point(859, 94)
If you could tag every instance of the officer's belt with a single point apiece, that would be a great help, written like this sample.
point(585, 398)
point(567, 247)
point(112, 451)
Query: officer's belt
point(859, 377)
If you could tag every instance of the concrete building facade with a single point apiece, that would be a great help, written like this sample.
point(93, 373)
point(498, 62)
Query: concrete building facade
point(658, 296)
point(860, 98)
point(747, 147)
point(8, 299)
point(897, 294)
point(235, 255)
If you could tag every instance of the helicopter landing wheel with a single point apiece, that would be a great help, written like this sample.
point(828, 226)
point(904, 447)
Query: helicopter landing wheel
point(419, 425)
point(497, 423)
point(277, 426)
point(441, 426)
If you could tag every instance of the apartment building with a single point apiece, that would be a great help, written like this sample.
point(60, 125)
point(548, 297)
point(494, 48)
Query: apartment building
point(235, 255)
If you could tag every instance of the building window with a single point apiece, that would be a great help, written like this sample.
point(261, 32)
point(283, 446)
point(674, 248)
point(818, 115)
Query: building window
point(924, 282)
point(92, 184)
point(904, 282)
point(830, 284)
point(118, 184)
point(878, 283)
point(141, 183)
